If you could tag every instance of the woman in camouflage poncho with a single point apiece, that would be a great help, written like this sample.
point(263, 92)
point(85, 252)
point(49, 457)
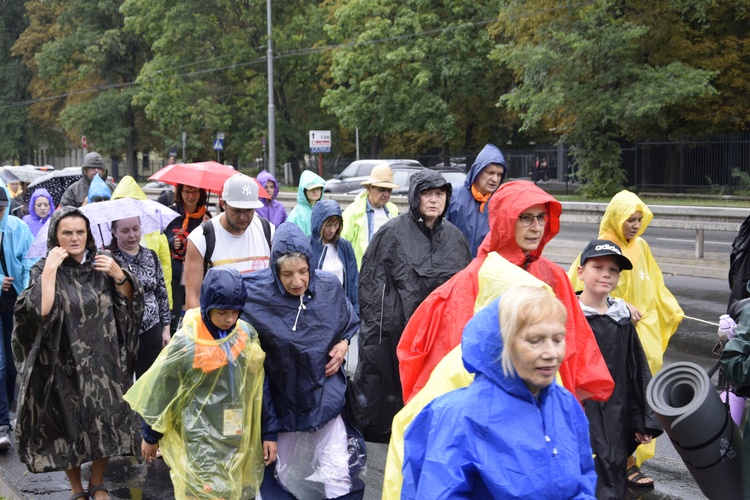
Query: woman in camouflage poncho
point(76, 332)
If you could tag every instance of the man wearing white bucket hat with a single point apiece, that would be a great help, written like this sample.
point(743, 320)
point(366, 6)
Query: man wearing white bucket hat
point(236, 238)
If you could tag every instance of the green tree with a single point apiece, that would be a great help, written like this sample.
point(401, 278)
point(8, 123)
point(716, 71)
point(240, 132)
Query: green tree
point(582, 72)
point(416, 74)
point(78, 49)
point(17, 137)
point(208, 73)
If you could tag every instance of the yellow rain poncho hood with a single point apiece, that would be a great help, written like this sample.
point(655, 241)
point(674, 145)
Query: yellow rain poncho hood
point(642, 287)
point(207, 408)
point(156, 241)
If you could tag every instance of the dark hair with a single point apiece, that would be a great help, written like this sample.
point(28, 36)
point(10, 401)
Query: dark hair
point(202, 197)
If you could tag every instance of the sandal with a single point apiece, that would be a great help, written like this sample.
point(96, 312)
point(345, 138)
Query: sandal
point(80, 494)
point(93, 489)
point(636, 477)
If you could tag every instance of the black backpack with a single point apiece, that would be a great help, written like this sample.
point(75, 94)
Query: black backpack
point(210, 235)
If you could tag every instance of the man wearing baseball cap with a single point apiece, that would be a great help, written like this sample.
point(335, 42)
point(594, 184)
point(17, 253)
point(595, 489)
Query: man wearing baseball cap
point(236, 238)
point(369, 210)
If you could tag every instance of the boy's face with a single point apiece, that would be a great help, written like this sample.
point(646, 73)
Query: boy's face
point(223, 319)
point(600, 274)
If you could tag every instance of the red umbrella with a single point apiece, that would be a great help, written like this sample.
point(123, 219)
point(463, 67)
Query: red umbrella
point(208, 175)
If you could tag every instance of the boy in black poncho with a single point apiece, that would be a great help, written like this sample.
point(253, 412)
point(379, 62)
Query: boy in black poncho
point(618, 426)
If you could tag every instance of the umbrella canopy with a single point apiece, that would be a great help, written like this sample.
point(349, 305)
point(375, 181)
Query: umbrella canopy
point(27, 173)
point(7, 176)
point(55, 182)
point(154, 217)
point(208, 175)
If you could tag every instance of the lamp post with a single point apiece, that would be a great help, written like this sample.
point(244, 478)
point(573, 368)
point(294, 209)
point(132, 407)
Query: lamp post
point(271, 107)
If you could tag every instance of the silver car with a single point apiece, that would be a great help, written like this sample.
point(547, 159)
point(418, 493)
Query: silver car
point(356, 172)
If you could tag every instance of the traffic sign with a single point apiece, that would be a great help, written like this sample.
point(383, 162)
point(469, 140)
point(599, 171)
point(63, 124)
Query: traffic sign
point(219, 145)
point(320, 141)
point(84, 142)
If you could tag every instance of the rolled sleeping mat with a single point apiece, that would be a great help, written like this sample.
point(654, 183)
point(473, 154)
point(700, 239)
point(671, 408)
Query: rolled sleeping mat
point(700, 427)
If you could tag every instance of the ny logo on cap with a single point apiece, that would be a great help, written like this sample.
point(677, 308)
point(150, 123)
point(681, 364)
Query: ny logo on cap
point(247, 190)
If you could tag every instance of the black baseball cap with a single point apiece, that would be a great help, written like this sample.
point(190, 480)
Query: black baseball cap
point(602, 248)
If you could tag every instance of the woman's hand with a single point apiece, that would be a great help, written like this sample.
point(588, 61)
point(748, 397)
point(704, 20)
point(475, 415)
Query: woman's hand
point(7, 283)
point(165, 336)
point(269, 452)
point(635, 314)
point(149, 451)
point(108, 265)
point(337, 355)
point(642, 438)
point(55, 258)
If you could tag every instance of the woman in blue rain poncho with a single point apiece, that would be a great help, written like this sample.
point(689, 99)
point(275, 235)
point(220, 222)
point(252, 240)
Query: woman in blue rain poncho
point(513, 432)
point(305, 322)
point(201, 400)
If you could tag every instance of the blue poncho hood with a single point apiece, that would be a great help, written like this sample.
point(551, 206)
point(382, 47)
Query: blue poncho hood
point(322, 211)
point(289, 238)
point(222, 288)
point(488, 154)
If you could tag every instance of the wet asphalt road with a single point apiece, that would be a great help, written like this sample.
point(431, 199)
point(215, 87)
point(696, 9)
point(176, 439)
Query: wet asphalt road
point(701, 298)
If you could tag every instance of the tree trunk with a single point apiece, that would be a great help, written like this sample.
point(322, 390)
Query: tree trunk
point(375, 145)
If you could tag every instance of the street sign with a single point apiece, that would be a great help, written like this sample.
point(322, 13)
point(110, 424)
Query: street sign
point(219, 145)
point(84, 142)
point(220, 135)
point(320, 141)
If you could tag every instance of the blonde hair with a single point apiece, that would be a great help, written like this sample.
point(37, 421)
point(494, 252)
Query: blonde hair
point(520, 307)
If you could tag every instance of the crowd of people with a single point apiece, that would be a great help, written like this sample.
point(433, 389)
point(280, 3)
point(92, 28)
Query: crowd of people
point(257, 352)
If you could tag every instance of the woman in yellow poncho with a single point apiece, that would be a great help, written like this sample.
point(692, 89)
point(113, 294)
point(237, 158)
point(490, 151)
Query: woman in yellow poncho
point(201, 400)
point(653, 308)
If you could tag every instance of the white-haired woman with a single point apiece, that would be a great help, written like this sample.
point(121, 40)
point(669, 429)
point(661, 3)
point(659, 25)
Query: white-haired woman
point(527, 437)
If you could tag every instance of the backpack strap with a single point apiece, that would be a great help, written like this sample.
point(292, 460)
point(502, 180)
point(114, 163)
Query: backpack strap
point(210, 235)
point(266, 230)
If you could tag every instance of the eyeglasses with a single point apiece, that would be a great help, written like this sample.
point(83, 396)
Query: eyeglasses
point(528, 219)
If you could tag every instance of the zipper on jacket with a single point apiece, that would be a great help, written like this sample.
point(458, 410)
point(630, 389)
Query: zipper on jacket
point(382, 304)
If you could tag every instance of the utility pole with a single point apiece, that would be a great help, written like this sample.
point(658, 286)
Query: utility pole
point(271, 107)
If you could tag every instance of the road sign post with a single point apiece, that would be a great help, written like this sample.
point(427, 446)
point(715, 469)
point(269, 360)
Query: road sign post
point(320, 142)
point(219, 145)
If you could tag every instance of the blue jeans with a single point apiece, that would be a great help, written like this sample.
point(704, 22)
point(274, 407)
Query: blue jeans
point(8, 372)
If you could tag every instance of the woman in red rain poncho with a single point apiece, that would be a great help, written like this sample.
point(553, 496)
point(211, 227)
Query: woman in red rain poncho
point(436, 326)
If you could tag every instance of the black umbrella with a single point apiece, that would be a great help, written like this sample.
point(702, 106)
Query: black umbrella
point(55, 182)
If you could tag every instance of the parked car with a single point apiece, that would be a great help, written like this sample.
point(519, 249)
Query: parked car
point(356, 172)
point(455, 176)
point(402, 176)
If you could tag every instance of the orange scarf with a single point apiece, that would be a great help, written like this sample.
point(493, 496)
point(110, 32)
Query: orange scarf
point(209, 356)
point(481, 198)
point(198, 214)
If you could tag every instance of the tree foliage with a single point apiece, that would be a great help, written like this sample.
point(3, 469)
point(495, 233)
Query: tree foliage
point(415, 70)
point(584, 74)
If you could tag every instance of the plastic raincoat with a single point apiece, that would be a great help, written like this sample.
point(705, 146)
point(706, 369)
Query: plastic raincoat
point(302, 213)
point(272, 209)
point(208, 408)
point(322, 211)
point(401, 267)
point(297, 333)
point(128, 188)
point(643, 286)
point(356, 226)
point(456, 448)
point(77, 362)
point(98, 188)
point(735, 361)
point(32, 220)
point(495, 276)
point(464, 210)
point(436, 326)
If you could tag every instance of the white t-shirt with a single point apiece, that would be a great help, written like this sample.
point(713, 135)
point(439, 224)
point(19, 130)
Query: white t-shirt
point(332, 263)
point(247, 252)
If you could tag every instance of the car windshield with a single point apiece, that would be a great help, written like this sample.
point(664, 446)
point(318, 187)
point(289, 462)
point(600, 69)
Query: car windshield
point(357, 169)
point(401, 177)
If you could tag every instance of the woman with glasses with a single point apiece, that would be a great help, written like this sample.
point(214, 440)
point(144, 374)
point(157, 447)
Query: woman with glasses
point(523, 219)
